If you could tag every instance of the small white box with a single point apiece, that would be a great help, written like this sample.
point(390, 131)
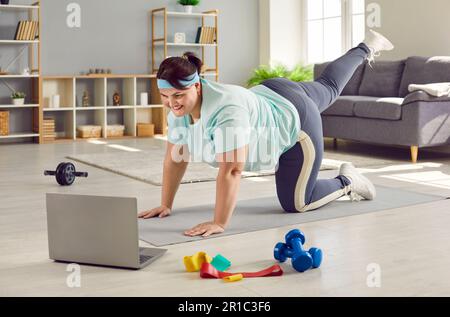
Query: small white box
point(55, 101)
point(144, 99)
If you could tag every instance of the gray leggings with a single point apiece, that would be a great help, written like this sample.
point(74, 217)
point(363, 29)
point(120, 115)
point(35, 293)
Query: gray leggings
point(298, 188)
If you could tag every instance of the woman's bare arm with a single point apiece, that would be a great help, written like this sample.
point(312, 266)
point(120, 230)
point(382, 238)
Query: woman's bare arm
point(175, 163)
point(231, 165)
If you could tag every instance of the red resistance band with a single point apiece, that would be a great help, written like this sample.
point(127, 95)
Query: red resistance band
point(209, 271)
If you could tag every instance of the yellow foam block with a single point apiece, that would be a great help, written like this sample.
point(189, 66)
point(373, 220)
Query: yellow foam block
point(233, 278)
point(194, 263)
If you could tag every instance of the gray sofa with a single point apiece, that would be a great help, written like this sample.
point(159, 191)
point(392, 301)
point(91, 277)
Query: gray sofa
point(376, 107)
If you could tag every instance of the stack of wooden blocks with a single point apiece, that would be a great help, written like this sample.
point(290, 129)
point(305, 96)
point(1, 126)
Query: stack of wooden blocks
point(48, 132)
point(4, 122)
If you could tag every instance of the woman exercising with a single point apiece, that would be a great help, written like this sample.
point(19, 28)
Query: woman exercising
point(275, 124)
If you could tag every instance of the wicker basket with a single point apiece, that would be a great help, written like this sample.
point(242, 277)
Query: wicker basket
point(4, 122)
point(115, 131)
point(89, 131)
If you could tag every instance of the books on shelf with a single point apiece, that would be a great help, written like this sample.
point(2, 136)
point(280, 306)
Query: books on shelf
point(26, 31)
point(206, 35)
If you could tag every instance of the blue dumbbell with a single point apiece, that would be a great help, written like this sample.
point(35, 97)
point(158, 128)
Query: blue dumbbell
point(301, 260)
point(282, 251)
point(316, 255)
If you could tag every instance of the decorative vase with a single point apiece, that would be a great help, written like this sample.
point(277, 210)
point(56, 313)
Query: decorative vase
point(188, 9)
point(18, 102)
point(116, 99)
point(85, 99)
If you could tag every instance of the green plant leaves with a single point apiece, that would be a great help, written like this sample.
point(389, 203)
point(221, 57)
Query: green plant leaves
point(263, 72)
point(189, 2)
point(18, 95)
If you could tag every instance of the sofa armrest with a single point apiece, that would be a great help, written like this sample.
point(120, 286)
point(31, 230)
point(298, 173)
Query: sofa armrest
point(420, 95)
point(427, 121)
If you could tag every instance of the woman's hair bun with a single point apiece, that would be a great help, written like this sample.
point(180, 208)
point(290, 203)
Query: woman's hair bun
point(191, 57)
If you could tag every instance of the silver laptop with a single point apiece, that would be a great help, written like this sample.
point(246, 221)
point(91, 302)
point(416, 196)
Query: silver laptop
point(96, 230)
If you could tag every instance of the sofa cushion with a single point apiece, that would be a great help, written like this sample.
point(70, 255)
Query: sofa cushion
point(424, 70)
point(382, 108)
point(343, 106)
point(352, 86)
point(382, 79)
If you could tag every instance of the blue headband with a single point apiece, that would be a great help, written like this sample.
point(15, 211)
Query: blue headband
point(188, 81)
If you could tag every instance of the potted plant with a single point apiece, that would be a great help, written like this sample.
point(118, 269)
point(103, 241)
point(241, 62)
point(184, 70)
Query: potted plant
point(188, 4)
point(18, 98)
point(263, 72)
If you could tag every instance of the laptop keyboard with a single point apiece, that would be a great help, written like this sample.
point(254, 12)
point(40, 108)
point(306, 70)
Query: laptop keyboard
point(144, 258)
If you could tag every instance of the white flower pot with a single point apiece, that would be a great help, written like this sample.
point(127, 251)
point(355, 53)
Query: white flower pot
point(18, 102)
point(188, 9)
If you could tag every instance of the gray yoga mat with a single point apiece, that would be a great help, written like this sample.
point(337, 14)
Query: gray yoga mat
point(264, 213)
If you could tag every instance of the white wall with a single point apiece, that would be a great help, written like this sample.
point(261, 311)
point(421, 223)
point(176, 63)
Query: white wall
point(416, 27)
point(115, 34)
point(280, 32)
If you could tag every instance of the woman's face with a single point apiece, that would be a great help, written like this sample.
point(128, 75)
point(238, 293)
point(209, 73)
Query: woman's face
point(181, 102)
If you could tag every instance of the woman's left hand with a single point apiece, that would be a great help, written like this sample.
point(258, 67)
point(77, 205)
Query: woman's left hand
point(205, 229)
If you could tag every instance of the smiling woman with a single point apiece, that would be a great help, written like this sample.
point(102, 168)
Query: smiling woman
point(273, 125)
point(179, 85)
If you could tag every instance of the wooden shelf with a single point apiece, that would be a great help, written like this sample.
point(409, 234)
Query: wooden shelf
point(185, 44)
point(149, 106)
point(32, 59)
point(118, 76)
point(16, 7)
point(18, 42)
point(190, 15)
point(102, 112)
point(19, 76)
point(119, 107)
point(162, 41)
point(19, 135)
point(58, 109)
point(21, 106)
point(89, 108)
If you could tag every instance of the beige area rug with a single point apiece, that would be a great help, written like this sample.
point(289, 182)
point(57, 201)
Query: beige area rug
point(147, 166)
point(336, 158)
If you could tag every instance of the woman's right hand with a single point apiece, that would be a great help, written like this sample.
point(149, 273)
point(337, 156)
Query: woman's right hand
point(161, 211)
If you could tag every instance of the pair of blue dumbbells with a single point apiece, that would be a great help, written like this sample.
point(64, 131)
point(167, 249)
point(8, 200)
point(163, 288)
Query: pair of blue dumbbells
point(293, 248)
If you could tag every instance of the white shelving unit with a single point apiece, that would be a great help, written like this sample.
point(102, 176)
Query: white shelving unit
point(101, 112)
point(28, 114)
point(161, 42)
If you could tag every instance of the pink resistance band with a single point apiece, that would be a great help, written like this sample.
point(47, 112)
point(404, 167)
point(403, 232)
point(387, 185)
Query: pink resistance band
point(209, 271)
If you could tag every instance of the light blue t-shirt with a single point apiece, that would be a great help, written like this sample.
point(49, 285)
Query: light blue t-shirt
point(232, 117)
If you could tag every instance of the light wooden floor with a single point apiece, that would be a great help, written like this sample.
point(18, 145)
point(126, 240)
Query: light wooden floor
point(411, 245)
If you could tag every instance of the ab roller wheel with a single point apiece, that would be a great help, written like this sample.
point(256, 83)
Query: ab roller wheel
point(65, 173)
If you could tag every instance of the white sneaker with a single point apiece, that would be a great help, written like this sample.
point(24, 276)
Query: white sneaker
point(360, 186)
point(376, 43)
